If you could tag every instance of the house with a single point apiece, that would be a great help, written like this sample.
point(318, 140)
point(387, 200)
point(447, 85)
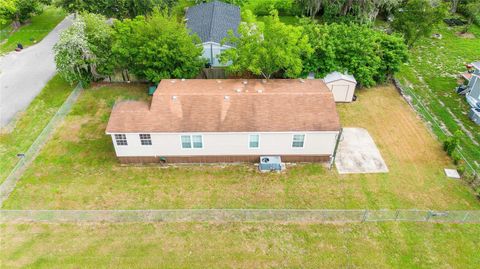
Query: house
point(231, 120)
point(341, 85)
point(211, 22)
point(473, 96)
point(473, 91)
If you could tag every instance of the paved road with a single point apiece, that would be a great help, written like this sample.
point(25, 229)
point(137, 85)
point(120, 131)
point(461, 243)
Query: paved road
point(23, 75)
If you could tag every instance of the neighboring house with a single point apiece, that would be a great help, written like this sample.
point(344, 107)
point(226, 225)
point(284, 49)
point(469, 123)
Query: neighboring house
point(211, 22)
point(341, 85)
point(473, 96)
point(473, 91)
point(231, 120)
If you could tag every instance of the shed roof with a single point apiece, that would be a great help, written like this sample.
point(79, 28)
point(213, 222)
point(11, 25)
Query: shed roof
point(334, 76)
point(212, 21)
point(230, 105)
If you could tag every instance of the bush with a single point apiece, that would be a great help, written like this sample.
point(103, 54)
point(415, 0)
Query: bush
point(265, 7)
point(456, 158)
point(370, 55)
point(451, 143)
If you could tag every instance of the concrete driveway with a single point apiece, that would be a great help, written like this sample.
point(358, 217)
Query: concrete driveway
point(23, 75)
point(357, 153)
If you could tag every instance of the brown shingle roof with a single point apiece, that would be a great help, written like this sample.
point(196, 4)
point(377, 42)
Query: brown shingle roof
point(230, 105)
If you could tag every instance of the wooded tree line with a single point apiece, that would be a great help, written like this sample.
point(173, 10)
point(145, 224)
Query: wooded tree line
point(158, 45)
point(119, 9)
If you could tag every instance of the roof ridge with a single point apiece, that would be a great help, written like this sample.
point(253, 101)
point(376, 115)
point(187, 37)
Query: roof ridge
point(210, 28)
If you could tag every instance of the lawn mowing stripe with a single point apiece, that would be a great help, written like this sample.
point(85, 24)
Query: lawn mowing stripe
point(11, 181)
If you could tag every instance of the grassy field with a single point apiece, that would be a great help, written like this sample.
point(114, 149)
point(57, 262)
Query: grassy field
point(34, 31)
point(432, 76)
point(78, 170)
point(235, 245)
point(30, 123)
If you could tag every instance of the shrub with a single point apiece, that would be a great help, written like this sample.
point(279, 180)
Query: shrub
point(265, 7)
point(451, 143)
point(456, 158)
point(368, 54)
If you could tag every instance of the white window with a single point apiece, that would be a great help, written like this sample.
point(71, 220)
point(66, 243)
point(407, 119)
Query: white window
point(186, 142)
point(192, 141)
point(254, 141)
point(145, 139)
point(298, 140)
point(197, 141)
point(121, 139)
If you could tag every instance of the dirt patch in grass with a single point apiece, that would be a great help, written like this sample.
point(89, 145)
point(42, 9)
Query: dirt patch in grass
point(465, 35)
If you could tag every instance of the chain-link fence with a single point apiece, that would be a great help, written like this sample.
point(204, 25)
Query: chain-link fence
point(240, 215)
point(416, 103)
point(25, 159)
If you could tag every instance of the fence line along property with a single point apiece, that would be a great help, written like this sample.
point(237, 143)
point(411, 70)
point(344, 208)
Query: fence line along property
point(25, 159)
point(406, 93)
point(239, 215)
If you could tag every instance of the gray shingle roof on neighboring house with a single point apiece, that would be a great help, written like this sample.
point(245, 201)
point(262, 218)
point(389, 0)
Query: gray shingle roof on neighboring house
point(212, 21)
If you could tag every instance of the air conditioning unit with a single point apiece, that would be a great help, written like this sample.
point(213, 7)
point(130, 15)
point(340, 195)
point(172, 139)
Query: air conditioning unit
point(270, 163)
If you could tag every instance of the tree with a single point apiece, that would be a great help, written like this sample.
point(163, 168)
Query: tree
point(18, 11)
point(99, 35)
point(115, 8)
point(454, 5)
point(72, 54)
point(417, 18)
point(471, 10)
point(84, 51)
point(370, 55)
point(157, 47)
point(266, 48)
point(363, 11)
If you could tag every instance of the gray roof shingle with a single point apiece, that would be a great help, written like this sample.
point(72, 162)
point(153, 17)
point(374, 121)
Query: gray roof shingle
point(212, 21)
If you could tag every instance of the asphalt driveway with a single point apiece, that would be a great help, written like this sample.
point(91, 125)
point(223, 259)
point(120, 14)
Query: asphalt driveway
point(23, 75)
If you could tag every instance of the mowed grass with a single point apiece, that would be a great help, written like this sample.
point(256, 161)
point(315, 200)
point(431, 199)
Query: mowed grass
point(78, 170)
point(432, 75)
point(30, 123)
point(34, 31)
point(240, 245)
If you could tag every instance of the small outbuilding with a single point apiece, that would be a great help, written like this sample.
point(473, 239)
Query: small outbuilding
point(341, 85)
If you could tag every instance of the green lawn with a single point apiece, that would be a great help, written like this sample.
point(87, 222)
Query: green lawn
point(240, 245)
point(34, 31)
point(432, 76)
point(78, 170)
point(30, 123)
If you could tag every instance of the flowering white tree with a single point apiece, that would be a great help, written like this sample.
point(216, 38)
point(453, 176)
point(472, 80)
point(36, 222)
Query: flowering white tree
point(72, 53)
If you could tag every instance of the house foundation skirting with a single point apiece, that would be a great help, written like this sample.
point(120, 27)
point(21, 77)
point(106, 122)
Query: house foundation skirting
point(222, 159)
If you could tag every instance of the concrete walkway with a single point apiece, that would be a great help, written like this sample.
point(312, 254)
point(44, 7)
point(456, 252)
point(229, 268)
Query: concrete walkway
point(23, 75)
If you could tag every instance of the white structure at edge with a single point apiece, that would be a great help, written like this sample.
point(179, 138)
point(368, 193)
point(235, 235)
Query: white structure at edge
point(342, 86)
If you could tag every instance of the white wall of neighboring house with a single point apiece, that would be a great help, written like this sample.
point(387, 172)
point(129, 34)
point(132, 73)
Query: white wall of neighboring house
point(343, 90)
point(228, 144)
point(211, 52)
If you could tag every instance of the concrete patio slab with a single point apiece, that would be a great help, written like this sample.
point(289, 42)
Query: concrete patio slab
point(357, 153)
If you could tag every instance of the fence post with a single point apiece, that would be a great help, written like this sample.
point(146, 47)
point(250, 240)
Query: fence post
point(429, 214)
point(365, 215)
point(465, 217)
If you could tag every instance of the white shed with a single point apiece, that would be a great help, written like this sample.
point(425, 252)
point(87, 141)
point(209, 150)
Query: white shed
point(341, 85)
